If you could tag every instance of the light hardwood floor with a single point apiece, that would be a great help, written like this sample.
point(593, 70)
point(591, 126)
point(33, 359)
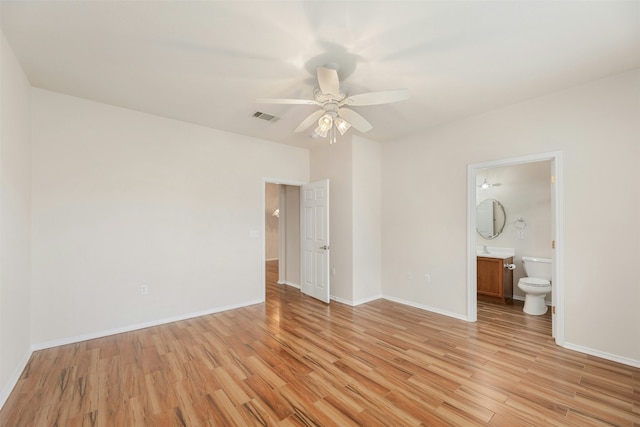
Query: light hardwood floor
point(295, 361)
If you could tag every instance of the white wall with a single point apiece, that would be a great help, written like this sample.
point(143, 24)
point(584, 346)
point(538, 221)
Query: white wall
point(367, 234)
point(123, 199)
point(596, 126)
point(525, 192)
point(15, 220)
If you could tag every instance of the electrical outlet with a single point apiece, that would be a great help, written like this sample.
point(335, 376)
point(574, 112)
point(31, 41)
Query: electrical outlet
point(427, 278)
point(409, 275)
point(144, 289)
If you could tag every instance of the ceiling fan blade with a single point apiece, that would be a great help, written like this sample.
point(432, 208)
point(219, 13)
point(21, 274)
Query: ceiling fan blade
point(486, 184)
point(328, 81)
point(311, 119)
point(286, 101)
point(377, 98)
point(356, 120)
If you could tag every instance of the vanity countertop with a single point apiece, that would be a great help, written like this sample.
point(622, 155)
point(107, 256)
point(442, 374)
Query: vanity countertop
point(493, 252)
point(500, 256)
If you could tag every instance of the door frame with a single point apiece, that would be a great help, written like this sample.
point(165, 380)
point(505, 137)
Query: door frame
point(557, 228)
point(281, 220)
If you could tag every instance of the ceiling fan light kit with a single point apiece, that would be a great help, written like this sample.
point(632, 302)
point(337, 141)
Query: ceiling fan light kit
point(331, 99)
point(324, 124)
point(342, 125)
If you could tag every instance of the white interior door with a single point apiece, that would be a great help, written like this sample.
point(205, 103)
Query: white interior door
point(314, 231)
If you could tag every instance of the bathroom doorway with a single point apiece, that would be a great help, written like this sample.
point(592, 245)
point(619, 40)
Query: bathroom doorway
point(529, 190)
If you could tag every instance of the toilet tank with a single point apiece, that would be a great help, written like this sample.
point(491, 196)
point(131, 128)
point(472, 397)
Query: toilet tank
point(537, 267)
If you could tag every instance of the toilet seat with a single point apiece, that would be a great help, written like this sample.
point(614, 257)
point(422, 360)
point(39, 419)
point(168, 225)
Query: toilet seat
point(534, 281)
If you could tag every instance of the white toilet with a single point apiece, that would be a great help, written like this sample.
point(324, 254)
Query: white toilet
point(536, 285)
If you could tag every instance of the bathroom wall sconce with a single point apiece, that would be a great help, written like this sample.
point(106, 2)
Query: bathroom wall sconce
point(520, 223)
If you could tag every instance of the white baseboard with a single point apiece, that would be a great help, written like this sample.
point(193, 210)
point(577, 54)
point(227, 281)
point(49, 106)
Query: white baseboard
point(602, 354)
point(135, 327)
point(427, 308)
point(14, 378)
point(355, 303)
point(366, 300)
point(341, 300)
point(293, 285)
point(400, 301)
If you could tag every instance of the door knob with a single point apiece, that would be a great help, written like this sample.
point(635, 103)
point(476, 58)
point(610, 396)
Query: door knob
point(325, 247)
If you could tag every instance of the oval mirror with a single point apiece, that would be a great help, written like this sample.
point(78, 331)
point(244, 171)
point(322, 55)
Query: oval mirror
point(490, 218)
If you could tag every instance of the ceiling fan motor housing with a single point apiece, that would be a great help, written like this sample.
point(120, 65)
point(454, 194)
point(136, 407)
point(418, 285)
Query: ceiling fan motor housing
point(323, 98)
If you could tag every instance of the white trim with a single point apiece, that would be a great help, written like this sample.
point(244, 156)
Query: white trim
point(400, 301)
point(426, 308)
point(358, 302)
point(15, 377)
point(341, 300)
point(293, 285)
point(129, 328)
point(602, 354)
point(366, 300)
point(558, 255)
point(558, 266)
point(472, 267)
point(283, 182)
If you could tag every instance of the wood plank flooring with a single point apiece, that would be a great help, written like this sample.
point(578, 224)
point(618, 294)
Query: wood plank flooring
point(294, 361)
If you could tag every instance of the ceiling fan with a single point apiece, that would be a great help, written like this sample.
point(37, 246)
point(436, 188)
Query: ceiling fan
point(486, 185)
point(333, 102)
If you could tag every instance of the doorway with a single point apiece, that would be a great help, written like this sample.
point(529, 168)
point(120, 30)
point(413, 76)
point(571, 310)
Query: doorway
point(480, 171)
point(281, 231)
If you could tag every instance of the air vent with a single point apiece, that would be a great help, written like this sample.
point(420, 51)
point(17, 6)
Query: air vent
point(266, 116)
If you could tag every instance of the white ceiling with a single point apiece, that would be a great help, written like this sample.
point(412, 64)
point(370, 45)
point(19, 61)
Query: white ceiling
point(205, 62)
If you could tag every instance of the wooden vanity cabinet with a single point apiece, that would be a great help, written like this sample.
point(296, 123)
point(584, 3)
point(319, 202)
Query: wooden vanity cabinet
point(495, 282)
